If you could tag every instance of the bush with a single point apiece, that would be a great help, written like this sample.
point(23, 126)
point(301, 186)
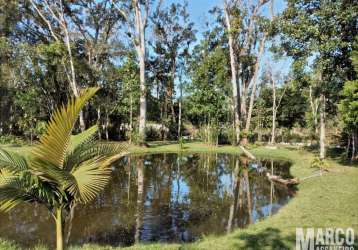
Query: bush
point(227, 135)
point(152, 134)
point(209, 134)
point(319, 164)
point(11, 139)
point(136, 138)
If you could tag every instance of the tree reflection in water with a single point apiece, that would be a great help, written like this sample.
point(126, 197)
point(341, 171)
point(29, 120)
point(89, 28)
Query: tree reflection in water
point(164, 197)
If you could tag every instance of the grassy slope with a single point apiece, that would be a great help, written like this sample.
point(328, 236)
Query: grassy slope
point(327, 201)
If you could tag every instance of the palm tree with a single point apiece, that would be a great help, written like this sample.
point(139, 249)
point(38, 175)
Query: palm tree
point(62, 170)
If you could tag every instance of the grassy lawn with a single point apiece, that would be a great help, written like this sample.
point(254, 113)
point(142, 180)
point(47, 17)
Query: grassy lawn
point(325, 201)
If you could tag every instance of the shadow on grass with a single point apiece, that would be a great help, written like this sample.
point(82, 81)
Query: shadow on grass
point(270, 238)
point(337, 154)
point(155, 144)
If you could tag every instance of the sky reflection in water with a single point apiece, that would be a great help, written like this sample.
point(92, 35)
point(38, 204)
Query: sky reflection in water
point(165, 198)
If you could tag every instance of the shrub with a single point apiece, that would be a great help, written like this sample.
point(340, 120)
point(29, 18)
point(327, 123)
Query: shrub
point(152, 134)
point(209, 134)
point(11, 139)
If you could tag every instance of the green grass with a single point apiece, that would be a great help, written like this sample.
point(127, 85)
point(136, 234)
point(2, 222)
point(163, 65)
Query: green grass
point(330, 200)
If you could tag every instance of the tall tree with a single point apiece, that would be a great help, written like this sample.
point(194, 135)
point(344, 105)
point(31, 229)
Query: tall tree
point(135, 13)
point(54, 19)
point(229, 9)
point(323, 32)
point(266, 31)
point(173, 34)
point(348, 107)
point(275, 102)
point(241, 20)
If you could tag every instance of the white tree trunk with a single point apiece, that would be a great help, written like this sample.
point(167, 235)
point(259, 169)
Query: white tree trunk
point(139, 41)
point(353, 146)
point(274, 111)
point(322, 151)
point(314, 110)
point(180, 107)
point(57, 13)
point(233, 64)
point(143, 97)
point(130, 118)
point(254, 83)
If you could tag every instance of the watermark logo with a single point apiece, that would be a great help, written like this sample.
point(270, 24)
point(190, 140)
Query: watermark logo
point(325, 239)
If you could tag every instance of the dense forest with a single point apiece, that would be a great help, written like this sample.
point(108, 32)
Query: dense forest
point(161, 78)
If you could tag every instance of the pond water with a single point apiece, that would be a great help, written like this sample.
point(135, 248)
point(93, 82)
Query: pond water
point(163, 198)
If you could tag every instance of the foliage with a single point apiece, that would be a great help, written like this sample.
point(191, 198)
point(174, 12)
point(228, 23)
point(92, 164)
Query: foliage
point(321, 32)
point(209, 134)
point(11, 139)
point(349, 104)
point(318, 163)
point(152, 134)
point(209, 87)
point(227, 135)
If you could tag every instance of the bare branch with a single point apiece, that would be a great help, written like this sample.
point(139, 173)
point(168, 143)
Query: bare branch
point(52, 12)
point(44, 19)
point(146, 11)
point(283, 93)
point(121, 11)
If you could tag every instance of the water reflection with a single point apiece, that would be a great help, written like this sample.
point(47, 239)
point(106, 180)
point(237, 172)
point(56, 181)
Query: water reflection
point(166, 198)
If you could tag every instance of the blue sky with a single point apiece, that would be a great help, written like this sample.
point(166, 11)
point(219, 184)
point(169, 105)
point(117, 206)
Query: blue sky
point(199, 14)
point(198, 10)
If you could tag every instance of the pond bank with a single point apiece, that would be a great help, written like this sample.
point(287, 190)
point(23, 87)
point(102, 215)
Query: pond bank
point(327, 201)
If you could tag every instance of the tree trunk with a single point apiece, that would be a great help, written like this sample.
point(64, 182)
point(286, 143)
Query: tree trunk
point(254, 83)
point(59, 229)
point(233, 65)
point(99, 122)
point(107, 124)
point(70, 224)
point(143, 93)
point(353, 146)
point(139, 41)
point(130, 118)
point(172, 89)
point(179, 115)
point(322, 152)
point(348, 145)
point(274, 111)
point(73, 83)
point(60, 17)
point(314, 108)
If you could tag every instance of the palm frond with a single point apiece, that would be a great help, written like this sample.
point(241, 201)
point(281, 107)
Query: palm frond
point(94, 170)
point(49, 172)
point(12, 160)
point(25, 187)
point(82, 138)
point(12, 193)
point(54, 144)
point(91, 150)
point(7, 177)
point(89, 179)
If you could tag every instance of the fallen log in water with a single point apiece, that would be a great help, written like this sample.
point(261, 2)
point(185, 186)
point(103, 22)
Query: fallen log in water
point(279, 179)
point(248, 153)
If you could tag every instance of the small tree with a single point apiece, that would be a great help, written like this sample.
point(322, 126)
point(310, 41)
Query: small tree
point(62, 170)
point(348, 106)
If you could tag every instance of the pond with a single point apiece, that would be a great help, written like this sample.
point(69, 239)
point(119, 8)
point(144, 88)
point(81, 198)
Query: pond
point(163, 198)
